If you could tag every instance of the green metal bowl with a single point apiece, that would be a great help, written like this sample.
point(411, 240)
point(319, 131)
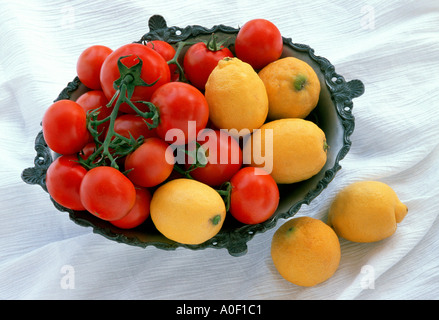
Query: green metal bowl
point(333, 115)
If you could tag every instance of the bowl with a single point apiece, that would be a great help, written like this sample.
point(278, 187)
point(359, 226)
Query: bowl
point(333, 115)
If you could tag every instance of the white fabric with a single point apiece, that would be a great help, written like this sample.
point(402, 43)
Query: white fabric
point(392, 46)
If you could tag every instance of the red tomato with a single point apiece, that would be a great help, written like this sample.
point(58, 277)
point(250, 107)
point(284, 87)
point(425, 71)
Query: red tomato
point(167, 52)
point(258, 43)
point(63, 180)
point(254, 196)
point(199, 61)
point(91, 100)
point(88, 150)
point(181, 107)
point(150, 164)
point(134, 124)
point(224, 158)
point(88, 66)
point(107, 193)
point(154, 68)
point(139, 213)
point(65, 127)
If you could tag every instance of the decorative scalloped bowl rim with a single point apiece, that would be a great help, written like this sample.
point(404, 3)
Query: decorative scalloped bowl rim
point(234, 240)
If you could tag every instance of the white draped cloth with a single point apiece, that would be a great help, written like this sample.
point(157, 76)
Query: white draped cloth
point(391, 46)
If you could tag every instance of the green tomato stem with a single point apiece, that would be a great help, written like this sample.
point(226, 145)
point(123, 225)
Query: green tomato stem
point(174, 60)
point(114, 144)
point(226, 194)
point(213, 45)
point(113, 116)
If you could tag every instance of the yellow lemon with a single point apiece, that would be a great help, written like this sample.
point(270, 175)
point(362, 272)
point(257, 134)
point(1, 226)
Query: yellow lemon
point(305, 251)
point(366, 211)
point(187, 211)
point(291, 150)
point(236, 97)
point(293, 88)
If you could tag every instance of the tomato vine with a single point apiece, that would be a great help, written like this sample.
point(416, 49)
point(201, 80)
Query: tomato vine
point(115, 145)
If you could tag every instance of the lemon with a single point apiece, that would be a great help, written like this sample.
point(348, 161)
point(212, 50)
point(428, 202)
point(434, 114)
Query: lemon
point(366, 211)
point(293, 88)
point(187, 211)
point(236, 97)
point(291, 150)
point(305, 251)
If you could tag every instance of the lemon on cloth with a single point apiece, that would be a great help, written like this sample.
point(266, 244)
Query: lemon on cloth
point(293, 88)
point(187, 211)
point(293, 149)
point(236, 96)
point(305, 251)
point(366, 211)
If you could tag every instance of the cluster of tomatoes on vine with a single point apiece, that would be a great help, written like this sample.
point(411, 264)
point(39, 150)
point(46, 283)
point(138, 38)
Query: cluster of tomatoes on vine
point(114, 141)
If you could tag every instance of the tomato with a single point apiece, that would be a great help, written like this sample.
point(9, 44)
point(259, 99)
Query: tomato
point(154, 68)
point(167, 52)
point(65, 127)
point(91, 100)
point(88, 150)
point(224, 157)
point(133, 124)
point(139, 213)
point(258, 43)
point(150, 164)
point(63, 180)
point(107, 193)
point(182, 107)
point(200, 59)
point(88, 66)
point(254, 196)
